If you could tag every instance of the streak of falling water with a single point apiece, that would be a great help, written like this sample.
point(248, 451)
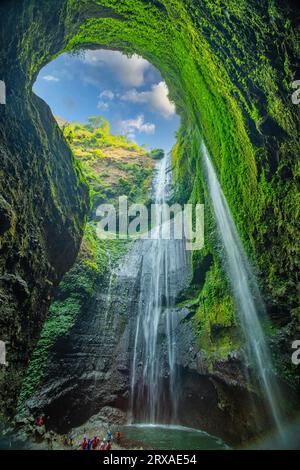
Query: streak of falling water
point(107, 316)
point(164, 269)
point(109, 291)
point(246, 292)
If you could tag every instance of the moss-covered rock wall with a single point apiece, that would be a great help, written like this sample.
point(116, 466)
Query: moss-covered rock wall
point(43, 201)
point(229, 67)
point(112, 167)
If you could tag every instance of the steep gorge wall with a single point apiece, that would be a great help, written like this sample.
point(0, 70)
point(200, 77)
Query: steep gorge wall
point(86, 318)
point(229, 67)
point(43, 201)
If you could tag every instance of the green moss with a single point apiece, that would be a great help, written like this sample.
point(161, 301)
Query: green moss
point(157, 154)
point(215, 316)
point(72, 296)
point(95, 258)
point(229, 67)
point(61, 318)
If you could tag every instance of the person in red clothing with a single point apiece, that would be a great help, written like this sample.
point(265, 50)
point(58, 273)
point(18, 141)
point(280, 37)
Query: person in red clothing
point(95, 442)
point(108, 445)
point(84, 443)
point(40, 421)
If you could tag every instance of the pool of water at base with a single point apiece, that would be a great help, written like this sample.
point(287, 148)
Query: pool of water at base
point(169, 437)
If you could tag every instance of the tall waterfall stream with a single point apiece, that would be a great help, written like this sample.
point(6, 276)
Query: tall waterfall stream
point(165, 267)
point(249, 303)
point(155, 383)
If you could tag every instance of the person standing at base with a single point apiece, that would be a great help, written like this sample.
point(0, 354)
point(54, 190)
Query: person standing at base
point(84, 443)
point(95, 442)
point(40, 421)
point(108, 445)
point(102, 445)
point(89, 444)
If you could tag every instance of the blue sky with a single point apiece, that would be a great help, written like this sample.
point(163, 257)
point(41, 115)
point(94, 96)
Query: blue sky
point(129, 92)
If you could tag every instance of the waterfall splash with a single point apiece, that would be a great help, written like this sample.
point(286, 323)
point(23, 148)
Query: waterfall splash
point(246, 293)
point(164, 270)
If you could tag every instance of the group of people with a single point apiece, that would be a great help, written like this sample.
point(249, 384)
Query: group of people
point(96, 442)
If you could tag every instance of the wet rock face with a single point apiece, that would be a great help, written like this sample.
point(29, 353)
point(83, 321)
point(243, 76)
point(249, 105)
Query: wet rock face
point(89, 369)
point(41, 219)
point(215, 397)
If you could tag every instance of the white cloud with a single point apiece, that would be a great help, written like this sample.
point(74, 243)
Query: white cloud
point(102, 105)
point(108, 94)
point(105, 96)
point(157, 98)
point(129, 127)
point(130, 70)
point(130, 136)
point(90, 79)
point(50, 78)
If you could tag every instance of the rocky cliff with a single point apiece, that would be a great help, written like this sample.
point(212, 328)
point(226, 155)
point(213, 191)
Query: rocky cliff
point(82, 359)
point(41, 220)
point(87, 369)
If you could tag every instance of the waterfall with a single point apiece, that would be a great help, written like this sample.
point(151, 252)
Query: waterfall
point(109, 292)
point(246, 292)
point(165, 266)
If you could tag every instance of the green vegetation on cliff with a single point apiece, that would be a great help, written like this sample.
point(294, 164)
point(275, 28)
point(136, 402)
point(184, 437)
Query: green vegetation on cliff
point(112, 166)
point(229, 65)
point(157, 154)
point(229, 68)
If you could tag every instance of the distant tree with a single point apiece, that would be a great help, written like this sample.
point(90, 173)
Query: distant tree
point(157, 154)
point(98, 122)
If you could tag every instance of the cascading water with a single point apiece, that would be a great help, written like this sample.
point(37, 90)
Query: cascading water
point(164, 270)
point(246, 293)
point(109, 291)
